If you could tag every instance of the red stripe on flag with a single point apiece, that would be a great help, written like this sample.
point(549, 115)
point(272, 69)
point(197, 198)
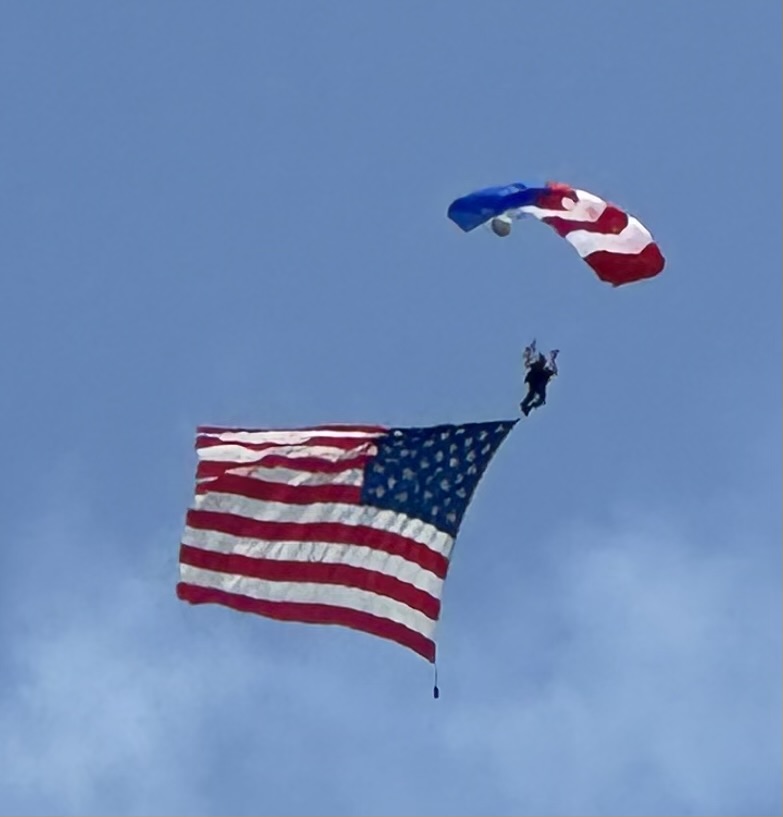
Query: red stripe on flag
point(252, 488)
point(312, 614)
point(334, 532)
point(344, 443)
point(313, 465)
point(318, 572)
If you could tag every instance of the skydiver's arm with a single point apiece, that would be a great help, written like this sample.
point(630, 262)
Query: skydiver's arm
point(527, 356)
point(553, 361)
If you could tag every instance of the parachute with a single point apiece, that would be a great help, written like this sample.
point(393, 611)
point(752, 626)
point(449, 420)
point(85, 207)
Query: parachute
point(617, 246)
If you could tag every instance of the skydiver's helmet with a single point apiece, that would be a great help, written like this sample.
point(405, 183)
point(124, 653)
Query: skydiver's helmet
point(541, 359)
point(501, 226)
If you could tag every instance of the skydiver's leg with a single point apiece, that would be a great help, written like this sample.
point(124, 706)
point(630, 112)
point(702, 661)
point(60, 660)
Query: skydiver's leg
point(525, 405)
point(538, 398)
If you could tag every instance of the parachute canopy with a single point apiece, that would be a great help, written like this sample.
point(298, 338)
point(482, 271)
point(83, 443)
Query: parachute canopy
point(617, 246)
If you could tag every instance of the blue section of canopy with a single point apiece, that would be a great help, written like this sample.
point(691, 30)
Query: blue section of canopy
point(473, 210)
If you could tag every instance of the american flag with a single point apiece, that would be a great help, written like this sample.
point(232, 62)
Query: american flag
point(335, 524)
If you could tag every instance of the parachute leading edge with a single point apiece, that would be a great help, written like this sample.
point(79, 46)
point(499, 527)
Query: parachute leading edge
point(616, 245)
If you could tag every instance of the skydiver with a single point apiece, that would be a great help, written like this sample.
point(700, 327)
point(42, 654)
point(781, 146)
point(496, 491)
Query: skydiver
point(540, 370)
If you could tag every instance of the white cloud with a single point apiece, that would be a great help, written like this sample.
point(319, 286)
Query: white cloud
point(637, 672)
point(662, 693)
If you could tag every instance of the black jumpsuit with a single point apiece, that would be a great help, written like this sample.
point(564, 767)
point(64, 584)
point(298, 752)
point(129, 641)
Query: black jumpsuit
point(537, 378)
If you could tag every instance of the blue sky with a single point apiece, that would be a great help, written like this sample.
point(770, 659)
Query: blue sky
point(235, 214)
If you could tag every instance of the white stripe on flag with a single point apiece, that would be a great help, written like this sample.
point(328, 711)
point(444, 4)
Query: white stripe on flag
point(321, 512)
point(288, 437)
point(335, 595)
point(322, 552)
point(239, 453)
point(289, 476)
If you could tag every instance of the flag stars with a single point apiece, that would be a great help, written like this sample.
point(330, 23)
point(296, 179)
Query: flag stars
point(430, 474)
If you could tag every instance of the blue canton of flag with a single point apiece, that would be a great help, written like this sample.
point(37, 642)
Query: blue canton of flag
point(432, 473)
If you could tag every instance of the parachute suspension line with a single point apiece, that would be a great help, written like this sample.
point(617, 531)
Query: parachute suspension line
point(435, 690)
